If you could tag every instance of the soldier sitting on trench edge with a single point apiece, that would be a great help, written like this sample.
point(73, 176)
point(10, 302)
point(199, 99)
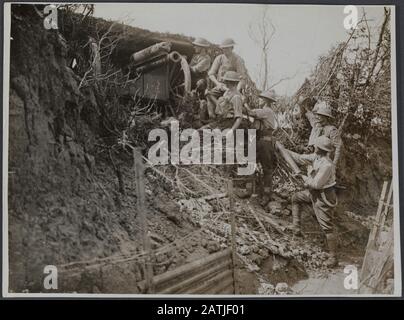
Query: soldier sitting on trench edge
point(199, 65)
point(229, 109)
point(228, 61)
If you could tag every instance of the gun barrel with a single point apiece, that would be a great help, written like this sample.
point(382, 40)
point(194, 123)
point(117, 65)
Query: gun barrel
point(151, 52)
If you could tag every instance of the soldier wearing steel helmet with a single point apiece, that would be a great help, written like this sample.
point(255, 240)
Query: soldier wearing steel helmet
point(320, 192)
point(265, 123)
point(199, 66)
point(320, 119)
point(201, 61)
point(229, 110)
point(228, 61)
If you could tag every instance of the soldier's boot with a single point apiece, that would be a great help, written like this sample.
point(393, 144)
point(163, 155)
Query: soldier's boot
point(203, 111)
point(332, 242)
point(296, 222)
point(245, 193)
point(266, 198)
point(211, 107)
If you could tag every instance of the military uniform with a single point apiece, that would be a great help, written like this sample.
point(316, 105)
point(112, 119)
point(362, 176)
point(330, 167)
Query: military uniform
point(199, 65)
point(229, 111)
point(328, 130)
point(229, 108)
point(220, 66)
point(320, 193)
point(265, 124)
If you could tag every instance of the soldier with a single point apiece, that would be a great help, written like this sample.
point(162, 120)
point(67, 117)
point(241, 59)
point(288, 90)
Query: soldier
point(320, 192)
point(228, 61)
point(320, 120)
point(200, 64)
point(301, 118)
point(229, 111)
point(265, 123)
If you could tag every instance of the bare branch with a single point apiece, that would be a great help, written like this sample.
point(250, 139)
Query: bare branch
point(262, 33)
point(381, 34)
point(284, 79)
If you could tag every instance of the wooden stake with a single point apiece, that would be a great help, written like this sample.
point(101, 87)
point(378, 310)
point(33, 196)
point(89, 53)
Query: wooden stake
point(373, 231)
point(382, 201)
point(141, 209)
point(387, 205)
point(233, 232)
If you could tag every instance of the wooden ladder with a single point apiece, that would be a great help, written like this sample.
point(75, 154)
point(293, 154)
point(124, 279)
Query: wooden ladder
point(378, 257)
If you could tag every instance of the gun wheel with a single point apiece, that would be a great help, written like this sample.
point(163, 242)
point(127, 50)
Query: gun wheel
point(180, 85)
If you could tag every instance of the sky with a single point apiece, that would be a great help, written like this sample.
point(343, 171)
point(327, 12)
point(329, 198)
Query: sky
point(302, 34)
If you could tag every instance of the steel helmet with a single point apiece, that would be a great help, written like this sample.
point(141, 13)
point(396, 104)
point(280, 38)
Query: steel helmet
point(323, 108)
point(227, 43)
point(231, 76)
point(269, 94)
point(323, 143)
point(201, 42)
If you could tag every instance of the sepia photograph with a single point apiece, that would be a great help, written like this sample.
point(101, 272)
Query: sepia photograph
point(200, 149)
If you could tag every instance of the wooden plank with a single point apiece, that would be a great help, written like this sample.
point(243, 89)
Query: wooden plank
point(387, 205)
point(194, 280)
point(233, 232)
point(373, 232)
point(213, 196)
point(378, 214)
point(275, 225)
point(141, 210)
point(191, 272)
point(188, 269)
point(261, 225)
point(212, 282)
point(224, 287)
point(384, 264)
point(380, 263)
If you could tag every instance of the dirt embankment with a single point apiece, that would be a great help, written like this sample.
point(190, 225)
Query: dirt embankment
point(64, 204)
point(363, 170)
